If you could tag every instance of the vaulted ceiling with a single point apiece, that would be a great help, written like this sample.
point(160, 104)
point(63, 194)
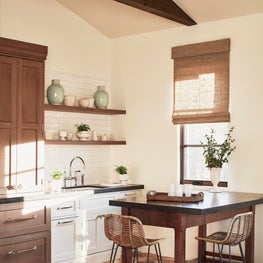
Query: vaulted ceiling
point(116, 19)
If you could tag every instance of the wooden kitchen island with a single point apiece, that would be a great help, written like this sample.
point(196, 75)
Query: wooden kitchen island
point(180, 216)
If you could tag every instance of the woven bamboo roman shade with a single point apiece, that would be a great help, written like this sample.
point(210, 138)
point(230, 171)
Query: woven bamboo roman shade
point(201, 82)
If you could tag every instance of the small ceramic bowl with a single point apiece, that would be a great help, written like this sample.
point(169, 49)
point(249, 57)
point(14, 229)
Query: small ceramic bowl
point(51, 134)
point(84, 135)
point(84, 103)
point(69, 100)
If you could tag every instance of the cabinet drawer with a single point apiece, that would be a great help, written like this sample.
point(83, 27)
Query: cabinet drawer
point(65, 208)
point(96, 202)
point(24, 220)
point(26, 249)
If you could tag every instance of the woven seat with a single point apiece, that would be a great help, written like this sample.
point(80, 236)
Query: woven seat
point(127, 232)
point(238, 231)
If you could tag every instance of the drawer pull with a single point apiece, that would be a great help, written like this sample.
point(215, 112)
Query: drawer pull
point(65, 222)
point(64, 207)
point(131, 194)
point(12, 220)
point(12, 253)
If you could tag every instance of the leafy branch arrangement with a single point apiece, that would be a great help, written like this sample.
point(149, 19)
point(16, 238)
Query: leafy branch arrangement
point(121, 169)
point(217, 154)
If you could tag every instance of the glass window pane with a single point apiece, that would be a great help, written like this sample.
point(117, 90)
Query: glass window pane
point(194, 165)
point(193, 161)
point(195, 133)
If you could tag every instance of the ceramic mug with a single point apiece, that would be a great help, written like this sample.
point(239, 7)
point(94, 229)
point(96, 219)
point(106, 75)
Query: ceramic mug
point(188, 188)
point(171, 190)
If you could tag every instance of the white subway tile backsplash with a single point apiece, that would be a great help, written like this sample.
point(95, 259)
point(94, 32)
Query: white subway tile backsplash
point(97, 157)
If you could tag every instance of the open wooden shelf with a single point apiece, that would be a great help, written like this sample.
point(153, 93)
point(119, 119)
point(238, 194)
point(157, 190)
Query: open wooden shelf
point(49, 107)
point(75, 142)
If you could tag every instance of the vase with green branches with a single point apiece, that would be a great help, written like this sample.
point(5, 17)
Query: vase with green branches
point(216, 154)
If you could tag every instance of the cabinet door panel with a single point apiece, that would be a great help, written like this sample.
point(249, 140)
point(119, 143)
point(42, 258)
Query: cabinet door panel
point(29, 164)
point(64, 239)
point(7, 163)
point(8, 73)
point(30, 92)
point(30, 144)
point(21, 125)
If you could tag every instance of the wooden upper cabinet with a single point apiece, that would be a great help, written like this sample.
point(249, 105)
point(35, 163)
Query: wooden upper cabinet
point(21, 115)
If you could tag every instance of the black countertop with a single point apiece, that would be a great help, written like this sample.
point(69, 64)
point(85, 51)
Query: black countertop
point(11, 199)
point(127, 187)
point(212, 203)
point(92, 190)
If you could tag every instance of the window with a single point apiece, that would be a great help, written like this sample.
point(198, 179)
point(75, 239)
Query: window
point(192, 163)
point(201, 82)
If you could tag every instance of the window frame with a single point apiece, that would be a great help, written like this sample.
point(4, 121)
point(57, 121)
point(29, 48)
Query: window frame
point(181, 163)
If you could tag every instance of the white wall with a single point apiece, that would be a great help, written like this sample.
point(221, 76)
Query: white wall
point(73, 45)
point(142, 82)
point(142, 74)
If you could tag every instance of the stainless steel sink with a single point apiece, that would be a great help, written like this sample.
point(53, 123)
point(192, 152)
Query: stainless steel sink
point(90, 187)
point(85, 187)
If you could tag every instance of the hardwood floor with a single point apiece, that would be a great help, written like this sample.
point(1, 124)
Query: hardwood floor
point(153, 259)
point(143, 258)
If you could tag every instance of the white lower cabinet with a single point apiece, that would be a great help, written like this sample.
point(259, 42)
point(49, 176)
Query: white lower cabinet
point(64, 239)
point(77, 236)
point(96, 247)
point(65, 231)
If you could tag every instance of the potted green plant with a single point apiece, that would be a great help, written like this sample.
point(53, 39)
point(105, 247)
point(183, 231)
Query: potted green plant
point(122, 171)
point(55, 185)
point(216, 154)
point(83, 131)
point(57, 175)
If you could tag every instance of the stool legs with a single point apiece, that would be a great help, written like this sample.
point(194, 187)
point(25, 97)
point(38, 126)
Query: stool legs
point(113, 252)
point(135, 253)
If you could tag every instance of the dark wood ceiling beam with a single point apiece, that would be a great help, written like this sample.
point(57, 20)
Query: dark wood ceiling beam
point(164, 8)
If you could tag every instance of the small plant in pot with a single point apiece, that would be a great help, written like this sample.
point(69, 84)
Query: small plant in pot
point(57, 175)
point(123, 173)
point(216, 154)
point(55, 185)
point(83, 131)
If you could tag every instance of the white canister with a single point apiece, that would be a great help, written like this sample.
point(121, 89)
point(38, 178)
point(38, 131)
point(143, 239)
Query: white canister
point(188, 188)
point(171, 191)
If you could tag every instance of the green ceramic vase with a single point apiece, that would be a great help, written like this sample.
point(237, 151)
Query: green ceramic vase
point(101, 98)
point(55, 93)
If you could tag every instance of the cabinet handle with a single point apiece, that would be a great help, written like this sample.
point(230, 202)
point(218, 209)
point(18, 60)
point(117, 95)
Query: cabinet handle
point(65, 222)
point(12, 220)
point(64, 207)
point(11, 252)
point(131, 194)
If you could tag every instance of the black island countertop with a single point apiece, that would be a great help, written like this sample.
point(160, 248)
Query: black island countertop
point(212, 203)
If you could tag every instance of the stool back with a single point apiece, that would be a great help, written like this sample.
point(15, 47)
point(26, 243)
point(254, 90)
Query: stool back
point(126, 231)
point(239, 228)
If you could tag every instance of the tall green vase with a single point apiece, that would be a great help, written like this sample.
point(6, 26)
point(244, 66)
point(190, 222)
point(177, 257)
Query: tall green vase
point(101, 98)
point(55, 93)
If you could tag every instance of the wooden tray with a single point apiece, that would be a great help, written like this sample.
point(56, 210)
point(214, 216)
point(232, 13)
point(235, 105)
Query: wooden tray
point(159, 196)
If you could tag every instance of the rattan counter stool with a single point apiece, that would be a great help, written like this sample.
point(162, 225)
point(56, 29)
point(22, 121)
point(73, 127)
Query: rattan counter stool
point(239, 229)
point(128, 232)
